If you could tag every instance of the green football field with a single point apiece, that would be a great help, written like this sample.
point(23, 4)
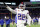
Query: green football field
point(11, 25)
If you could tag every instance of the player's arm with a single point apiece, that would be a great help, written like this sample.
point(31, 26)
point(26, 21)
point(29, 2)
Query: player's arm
point(29, 19)
point(10, 9)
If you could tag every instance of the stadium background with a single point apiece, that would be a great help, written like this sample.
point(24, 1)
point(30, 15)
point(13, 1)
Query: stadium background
point(34, 9)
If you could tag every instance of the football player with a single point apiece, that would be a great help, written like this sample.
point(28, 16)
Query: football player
point(21, 15)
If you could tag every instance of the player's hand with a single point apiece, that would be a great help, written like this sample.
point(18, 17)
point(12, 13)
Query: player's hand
point(5, 4)
point(25, 24)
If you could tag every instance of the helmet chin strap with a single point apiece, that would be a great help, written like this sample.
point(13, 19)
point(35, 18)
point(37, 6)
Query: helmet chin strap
point(22, 8)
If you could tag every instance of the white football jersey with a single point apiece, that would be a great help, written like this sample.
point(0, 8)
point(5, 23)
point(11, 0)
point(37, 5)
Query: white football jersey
point(20, 15)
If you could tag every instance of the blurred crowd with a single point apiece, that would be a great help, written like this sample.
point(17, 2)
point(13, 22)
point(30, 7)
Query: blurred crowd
point(35, 20)
point(8, 20)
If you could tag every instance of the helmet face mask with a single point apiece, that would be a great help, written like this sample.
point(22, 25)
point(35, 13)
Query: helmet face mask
point(21, 6)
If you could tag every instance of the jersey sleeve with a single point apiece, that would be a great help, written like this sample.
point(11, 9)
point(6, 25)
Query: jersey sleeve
point(28, 18)
point(16, 9)
point(11, 10)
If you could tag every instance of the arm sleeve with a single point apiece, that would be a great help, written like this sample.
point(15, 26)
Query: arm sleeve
point(11, 10)
point(28, 19)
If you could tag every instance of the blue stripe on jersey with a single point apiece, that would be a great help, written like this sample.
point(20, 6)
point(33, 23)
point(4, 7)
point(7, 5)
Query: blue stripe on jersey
point(16, 19)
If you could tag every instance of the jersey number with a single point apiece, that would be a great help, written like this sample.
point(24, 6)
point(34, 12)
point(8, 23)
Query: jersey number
point(21, 16)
